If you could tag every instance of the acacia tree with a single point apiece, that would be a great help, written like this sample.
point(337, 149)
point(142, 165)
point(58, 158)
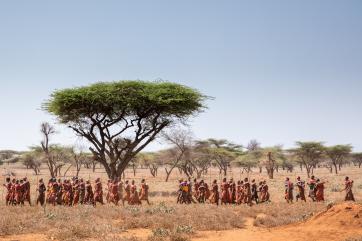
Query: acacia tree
point(77, 158)
point(309, 154)
point(357, 159)
point(274, 157)
point(119, 119)
point(337, 155)
point(148, 160)
point(222, 152)
point(47, 131)
point(200, 159)
point(32, 160)
point(56, 158)
point(182, 142)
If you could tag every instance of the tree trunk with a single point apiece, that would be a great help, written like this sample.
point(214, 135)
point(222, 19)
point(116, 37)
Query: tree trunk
point(335, 168)
point(308, 170)
point(168, 173)
point(270, 172)
point(134, 170)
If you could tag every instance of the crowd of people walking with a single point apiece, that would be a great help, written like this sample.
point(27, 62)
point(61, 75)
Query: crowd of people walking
point(75, 191)
point(231, 192)
point(316, 190)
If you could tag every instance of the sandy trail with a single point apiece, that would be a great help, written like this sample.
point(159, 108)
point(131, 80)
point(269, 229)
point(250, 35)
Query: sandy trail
point(336, 224)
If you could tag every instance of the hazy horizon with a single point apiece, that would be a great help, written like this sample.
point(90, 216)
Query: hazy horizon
point(279, 71)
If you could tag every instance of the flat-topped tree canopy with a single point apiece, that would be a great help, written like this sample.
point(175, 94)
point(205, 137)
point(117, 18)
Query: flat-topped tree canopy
point(120, 118)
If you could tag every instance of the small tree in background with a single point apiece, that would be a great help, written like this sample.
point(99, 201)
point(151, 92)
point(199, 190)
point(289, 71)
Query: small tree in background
point(200, 159)
point(274, 156)
point(337, 155)
point(181, 141)
point(32, 160)
point(222, 152)
point(309, 154)
point(148, 160)
point(357, 159)
point(119, 119)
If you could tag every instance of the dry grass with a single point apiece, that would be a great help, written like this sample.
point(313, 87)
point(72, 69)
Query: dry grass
point(278, 214)
point(84, 222)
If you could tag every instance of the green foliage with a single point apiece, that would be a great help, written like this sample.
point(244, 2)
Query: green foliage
point(124, 98)
point(9, 156)
point(357, 158)
point(308, 153)
point(121, 118)
point(221, 152)
point(338, 151)
point(337, 155)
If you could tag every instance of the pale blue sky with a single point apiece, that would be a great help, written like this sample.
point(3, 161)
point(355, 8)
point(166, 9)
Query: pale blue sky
point(280, 71)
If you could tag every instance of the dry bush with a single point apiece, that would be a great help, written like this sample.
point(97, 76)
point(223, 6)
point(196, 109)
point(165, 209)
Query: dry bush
point(199, 217)
point(118, 238)
point(359, 238)
point(277, 214)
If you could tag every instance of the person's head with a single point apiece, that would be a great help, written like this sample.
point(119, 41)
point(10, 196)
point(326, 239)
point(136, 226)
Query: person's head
point(21, 181)
point(298, 178)
point(318, 180)
point(195, 180)
point(17, 182)
point(215, 181)
point(224, 179)
point(202, 181)
point(143, 181)
point(8, 179)
point(133, 182)
point(127, 182)
point(246, 179)
point(260, 183)
point(264, 182)
point(231, 180)
point(287, 178)
point(14, 180)
point(313, 177)
point(253, 181)
point(98, 179)
point(238, 182)
point(41, 180)
point(25, 179)
point(88, 182)
point(81, 180)
point(347, 178)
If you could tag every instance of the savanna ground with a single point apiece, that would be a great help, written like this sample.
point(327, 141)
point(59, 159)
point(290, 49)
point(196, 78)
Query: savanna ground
point(165, 220)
